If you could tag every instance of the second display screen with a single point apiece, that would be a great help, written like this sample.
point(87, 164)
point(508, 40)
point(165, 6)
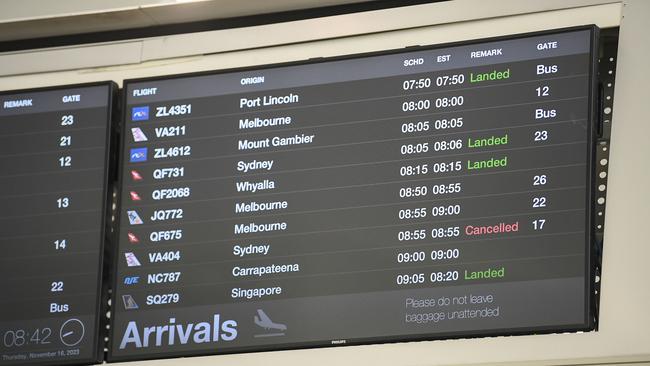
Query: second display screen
point(431, 193)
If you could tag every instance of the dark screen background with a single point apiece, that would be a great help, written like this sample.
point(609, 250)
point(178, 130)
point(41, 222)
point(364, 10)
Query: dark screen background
point(434, 193)
point(53, 148)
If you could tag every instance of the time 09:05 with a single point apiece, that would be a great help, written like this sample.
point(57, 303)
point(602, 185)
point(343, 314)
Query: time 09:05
point(417, 278)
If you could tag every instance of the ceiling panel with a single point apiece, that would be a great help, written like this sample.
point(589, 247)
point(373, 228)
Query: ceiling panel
point(25, 19)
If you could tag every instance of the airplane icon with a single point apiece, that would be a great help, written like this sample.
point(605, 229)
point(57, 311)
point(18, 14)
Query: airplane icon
point(263, 320)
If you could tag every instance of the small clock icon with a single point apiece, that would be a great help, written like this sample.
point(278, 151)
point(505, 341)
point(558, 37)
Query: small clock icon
point(72, 332)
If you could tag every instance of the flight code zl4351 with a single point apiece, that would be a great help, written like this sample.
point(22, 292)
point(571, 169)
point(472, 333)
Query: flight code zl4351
point(174, 110)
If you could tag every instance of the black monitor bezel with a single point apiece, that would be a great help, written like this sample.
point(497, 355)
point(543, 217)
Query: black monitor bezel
point(589, 323)
point(109, 168)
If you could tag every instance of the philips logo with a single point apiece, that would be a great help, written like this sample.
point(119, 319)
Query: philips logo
point(172, 334)
point(131, 280)
point(140, 113)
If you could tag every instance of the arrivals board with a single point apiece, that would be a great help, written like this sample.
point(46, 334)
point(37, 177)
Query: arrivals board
point(53, 194)
point(425, 193)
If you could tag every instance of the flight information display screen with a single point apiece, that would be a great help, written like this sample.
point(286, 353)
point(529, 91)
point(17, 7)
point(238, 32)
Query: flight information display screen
point(53, 154)
point(415, 194)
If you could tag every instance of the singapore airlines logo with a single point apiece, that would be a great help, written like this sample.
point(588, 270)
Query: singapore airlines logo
point(171, 334)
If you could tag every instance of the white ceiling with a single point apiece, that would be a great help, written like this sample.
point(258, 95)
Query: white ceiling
point(23, 19)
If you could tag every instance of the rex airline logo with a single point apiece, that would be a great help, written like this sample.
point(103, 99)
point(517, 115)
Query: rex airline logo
point(140, 113)
point(172, 334)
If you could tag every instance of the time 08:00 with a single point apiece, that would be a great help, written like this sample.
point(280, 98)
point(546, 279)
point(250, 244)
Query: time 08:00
point(425, 104)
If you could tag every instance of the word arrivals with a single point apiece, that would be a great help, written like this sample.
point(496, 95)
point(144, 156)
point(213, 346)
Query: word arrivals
point(170, 334)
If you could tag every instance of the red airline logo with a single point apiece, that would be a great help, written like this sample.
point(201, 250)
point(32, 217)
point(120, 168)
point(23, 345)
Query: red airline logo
point(135, 196)
point(135, 175)
point(132, 238)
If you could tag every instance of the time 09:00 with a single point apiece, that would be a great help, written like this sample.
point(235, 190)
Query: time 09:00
point(421, 256)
